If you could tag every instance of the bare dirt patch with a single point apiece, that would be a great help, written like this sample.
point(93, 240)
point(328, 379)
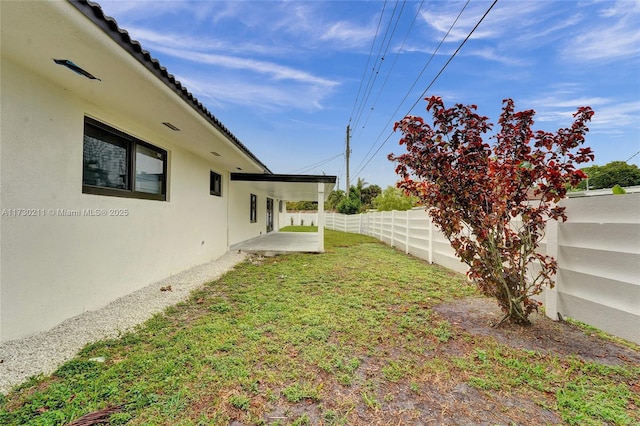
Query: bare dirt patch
point(440, 398)
point(477, 315)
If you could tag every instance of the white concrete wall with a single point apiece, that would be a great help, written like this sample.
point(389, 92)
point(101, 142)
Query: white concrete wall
point(240, 226)
point(56, 267)
point(598, 253)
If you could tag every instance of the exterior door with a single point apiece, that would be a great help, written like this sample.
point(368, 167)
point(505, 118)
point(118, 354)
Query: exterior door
point(269, 214)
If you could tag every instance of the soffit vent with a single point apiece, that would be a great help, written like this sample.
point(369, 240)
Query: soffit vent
point(75, 68)
point(171, 126)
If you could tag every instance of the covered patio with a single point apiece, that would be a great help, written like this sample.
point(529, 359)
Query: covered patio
point(290, 188)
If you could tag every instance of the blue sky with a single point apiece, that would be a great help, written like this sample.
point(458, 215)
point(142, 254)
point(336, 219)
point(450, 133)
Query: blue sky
point(287, 77)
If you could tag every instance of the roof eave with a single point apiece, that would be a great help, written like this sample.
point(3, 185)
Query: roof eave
point(109, 26)
point(257, 177)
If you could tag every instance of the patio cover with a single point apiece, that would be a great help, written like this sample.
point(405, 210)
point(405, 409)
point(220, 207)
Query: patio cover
point(288, 187)
point(292, 188)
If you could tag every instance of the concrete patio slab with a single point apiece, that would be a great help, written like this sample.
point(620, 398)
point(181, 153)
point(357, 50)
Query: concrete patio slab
point(280, 242)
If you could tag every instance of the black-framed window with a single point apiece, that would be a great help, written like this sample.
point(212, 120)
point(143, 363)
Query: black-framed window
point(120, 165)
point(253, 215)
point(215, 184)
point(280, 206)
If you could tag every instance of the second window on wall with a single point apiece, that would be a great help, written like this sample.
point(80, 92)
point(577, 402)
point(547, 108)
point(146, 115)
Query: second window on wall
point(253, 216)
point(215, 184)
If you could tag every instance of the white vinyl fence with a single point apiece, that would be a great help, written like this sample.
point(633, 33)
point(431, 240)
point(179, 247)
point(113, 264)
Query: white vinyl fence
point(296, 218)
point(598, 253)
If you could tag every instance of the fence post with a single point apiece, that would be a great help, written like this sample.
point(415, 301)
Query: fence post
point(393, 228)
point(551, 294)
point(406, 241)
point(373, 225)
point(368, 224)
point(430, 237)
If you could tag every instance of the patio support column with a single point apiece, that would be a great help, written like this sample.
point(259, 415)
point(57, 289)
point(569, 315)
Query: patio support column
point(321, 217)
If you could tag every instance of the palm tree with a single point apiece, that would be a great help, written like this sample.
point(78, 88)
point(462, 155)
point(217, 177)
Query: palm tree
point(361, 184)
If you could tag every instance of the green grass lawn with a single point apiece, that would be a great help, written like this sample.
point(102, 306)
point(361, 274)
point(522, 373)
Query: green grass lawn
point(344, 337)
point(299, 229)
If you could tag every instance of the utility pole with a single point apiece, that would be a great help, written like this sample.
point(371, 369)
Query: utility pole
point(347, 157)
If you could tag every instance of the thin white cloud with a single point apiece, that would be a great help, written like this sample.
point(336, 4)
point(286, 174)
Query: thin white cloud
point(230, 90)
point(610, 116)
point(150, 38)
point(614, 35)
point(313, 27)
point(560, 110)
point(442, 20)
point(617, 115)
point(348, 34)
point(545, 30)
point(144, 9)
point(500, 21)
point(154, 41)
point(296, 18)
point(195, 50)
point(249, 71)
point(226, 10)
point(503, 37)
point(297, 24)
point(494, 55)
point(275, 71)
point(620, 8)
point(571, 102)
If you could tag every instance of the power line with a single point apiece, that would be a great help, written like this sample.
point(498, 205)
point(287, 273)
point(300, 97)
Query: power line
point(432, 81)
point(366, 67)
point(452, 56)
point(373, 71)
point(395, 60)
point(317, 164)
point(411, 88)
point(381, 55)
point(632, 156)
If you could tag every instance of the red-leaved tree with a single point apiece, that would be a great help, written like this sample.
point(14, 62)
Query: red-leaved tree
point(492, 200)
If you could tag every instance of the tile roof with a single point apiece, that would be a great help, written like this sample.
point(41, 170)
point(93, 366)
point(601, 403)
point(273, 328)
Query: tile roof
point(94, 12)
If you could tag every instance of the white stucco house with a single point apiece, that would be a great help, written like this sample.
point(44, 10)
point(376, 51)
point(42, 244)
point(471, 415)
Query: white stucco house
point(112, 175)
